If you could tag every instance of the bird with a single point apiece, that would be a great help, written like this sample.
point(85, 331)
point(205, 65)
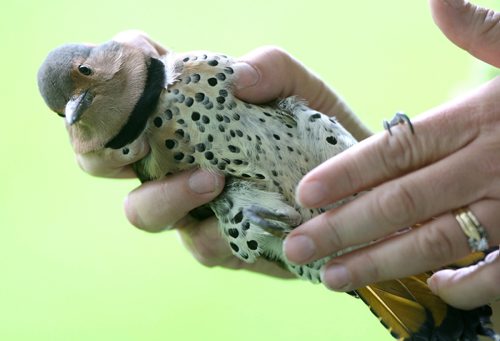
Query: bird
point(135, 102)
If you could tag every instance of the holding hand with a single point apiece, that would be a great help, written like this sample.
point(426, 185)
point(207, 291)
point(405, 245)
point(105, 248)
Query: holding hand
point(452, 161)
point(262, 75)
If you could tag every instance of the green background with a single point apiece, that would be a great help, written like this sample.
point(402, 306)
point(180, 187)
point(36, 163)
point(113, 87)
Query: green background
point(73, 268)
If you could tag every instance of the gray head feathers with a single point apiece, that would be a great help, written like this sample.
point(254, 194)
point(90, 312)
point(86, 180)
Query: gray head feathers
point(106, 92)
point(54, 76)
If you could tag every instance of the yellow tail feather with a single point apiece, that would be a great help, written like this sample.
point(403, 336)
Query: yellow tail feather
point(409, 309)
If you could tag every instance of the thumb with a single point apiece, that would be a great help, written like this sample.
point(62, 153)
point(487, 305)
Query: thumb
point(469, 287)
point(473, 28)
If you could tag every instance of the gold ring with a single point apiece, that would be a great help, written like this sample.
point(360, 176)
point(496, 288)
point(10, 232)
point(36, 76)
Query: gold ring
point(472, 228)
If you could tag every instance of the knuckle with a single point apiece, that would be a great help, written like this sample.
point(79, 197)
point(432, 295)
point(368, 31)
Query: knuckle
point(353, 175)
point(400, 152)
point(486, 27)
point(204, 243)
point(272, 61)
point(434, 246)
point(334, 239)
point(168, 202)
point(275, 53)
point(397, 206)
point(205, 257)
point(368, 272)
point(272, 57)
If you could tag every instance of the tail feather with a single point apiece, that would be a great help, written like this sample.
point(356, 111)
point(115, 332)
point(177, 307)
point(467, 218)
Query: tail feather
point(399, 307)
point(410, 311)
point(401, 316)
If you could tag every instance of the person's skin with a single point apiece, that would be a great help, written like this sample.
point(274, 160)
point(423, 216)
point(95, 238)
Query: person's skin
point(451, 161)
point(446, 141)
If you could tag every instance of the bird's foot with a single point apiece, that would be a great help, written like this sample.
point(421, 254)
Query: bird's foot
point(399, 118)
point(278, 222)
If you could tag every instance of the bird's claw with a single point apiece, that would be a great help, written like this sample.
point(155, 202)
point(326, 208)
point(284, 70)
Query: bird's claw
point(276, 222)
point(399, 118)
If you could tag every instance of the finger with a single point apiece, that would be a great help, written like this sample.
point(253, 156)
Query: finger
point(268, 73)
point(438, 133)
point(435, 244)
point(140, 39)
point(473, 28)
point(157, 205)
point(103, 168)
point(470, 287)
point(395, 257)
point(203, 240)
point(396, 204)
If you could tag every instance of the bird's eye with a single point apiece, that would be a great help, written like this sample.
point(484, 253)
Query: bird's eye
point(84, 70)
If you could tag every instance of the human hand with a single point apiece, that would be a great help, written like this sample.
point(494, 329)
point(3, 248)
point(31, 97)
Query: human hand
point(451, 161)
point(164, 204)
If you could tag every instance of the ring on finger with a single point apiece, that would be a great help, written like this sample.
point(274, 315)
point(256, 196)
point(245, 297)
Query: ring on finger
point(472, 228)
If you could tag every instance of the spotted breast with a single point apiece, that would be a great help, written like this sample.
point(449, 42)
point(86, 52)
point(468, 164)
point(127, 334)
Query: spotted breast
point(262, 150)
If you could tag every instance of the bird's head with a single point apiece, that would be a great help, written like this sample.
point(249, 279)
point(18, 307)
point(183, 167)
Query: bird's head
point(104, 92)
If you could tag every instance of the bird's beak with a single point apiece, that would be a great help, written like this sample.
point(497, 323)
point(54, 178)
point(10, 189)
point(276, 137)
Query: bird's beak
point(76, 106)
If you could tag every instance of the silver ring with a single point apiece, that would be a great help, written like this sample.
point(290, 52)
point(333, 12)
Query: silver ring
point(472, 228)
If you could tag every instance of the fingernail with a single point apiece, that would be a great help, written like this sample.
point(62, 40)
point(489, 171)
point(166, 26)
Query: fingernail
point(457, 4)
point(311, 194)
point(336, 277)
point(203, 182)
point(246, 75)
point(299, 249)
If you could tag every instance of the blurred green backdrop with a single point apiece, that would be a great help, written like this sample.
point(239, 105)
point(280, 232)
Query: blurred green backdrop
point(72, 268)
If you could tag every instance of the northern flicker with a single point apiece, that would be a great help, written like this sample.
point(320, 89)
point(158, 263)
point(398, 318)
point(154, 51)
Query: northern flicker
point(125, 99)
